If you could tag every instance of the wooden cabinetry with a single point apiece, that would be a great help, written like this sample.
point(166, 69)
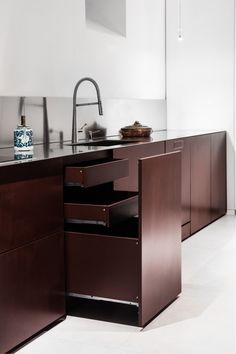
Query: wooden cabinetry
point(183, 145)
point(208, 179)
point(200, 182)
point(134, 153)
point(32, 289)
point(26, 210)
point(160, 233)
point(139, 259)
point(31, 251)
point(218, 175)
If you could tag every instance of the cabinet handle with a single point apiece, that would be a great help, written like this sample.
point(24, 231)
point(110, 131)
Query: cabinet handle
point(178, 145)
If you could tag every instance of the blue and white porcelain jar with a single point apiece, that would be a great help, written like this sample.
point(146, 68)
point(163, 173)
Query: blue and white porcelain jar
point(23, 137)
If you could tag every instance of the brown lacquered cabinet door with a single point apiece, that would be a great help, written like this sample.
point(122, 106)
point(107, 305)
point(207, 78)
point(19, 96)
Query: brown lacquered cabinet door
point(32, 289)
point(200, 182)
point(218, 175)
point(183, 145)
point(30, 210)
point(160, 233)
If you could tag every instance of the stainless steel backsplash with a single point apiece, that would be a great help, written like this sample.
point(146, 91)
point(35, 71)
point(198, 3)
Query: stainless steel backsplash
point(57, 113)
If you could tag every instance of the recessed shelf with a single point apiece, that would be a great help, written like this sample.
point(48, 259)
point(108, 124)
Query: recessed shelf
point(106, 15)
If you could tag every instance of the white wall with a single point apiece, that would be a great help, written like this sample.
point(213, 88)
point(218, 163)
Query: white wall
point(200, 72)
point(46, 47)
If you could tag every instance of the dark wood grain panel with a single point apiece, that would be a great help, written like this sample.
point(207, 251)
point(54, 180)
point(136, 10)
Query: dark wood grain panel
point(160, 230)
point(32, 289)
point(200, 182)
point(102, 266)
point(29, 210)
point(133, 153)
point(183, 145)
point(30, 170)
point(218, 175)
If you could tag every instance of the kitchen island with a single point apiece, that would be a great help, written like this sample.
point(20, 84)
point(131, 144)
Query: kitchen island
point(142, 253)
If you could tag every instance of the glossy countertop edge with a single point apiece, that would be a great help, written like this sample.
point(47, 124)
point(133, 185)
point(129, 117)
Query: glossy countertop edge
point(55, 150)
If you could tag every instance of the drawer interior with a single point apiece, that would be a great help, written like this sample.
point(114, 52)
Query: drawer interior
point(128, 229)
point(90, 163)
point(96, 172)
point(99, 195)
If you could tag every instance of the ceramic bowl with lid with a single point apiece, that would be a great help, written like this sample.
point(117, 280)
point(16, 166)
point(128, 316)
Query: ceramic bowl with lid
point(136, 130)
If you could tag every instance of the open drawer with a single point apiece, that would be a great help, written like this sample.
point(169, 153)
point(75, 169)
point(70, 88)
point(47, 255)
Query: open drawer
point(102, 266)
point(92, 173)
point(102, 209)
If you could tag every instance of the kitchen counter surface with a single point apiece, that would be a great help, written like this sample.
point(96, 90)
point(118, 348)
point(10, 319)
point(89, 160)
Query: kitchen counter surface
point(55, 150)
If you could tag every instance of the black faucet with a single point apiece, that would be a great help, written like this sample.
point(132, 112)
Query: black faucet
point(75, 105)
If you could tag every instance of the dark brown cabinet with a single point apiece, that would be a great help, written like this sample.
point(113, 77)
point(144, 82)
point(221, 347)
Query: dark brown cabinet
point(134, 153)
point(218, 175)
point(160, 233)
point(26, 210)
point(124, 231)
point(138, 260)
point(200, 182)
point(32, 289)
point(183, 145)
point(32, 280)
point(208, 179)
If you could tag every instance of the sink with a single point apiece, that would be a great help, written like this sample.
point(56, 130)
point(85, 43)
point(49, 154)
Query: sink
point(105, 143)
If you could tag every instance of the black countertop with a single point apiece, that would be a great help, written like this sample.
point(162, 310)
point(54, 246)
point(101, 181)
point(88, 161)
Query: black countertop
point(56, 150)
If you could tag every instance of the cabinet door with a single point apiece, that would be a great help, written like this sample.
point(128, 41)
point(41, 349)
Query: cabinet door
point(183, 145)
point(160, 229)
point(218, 175)
point(200, 182)
point(133, 153)
point(32, 289)
point(29, 210)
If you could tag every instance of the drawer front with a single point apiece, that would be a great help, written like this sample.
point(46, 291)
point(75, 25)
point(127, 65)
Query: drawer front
point(186, 231)
point(30, 210)
point(32, 287)
point(107, 214)
point(96, 173)
point(102, 266)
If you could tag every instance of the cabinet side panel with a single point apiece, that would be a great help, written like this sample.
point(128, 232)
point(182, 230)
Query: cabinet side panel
point(218, 175)
point(160, 229)
point(32, 292)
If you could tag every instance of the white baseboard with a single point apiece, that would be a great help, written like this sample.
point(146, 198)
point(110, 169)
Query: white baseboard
point(231, 212)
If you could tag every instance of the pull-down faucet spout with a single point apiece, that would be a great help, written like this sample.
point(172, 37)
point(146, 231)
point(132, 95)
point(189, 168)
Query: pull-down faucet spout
point(75, 105)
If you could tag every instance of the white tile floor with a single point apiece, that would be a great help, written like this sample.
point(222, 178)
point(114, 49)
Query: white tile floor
point(201, 321)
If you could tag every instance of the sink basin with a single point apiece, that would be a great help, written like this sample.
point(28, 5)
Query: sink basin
point(105, 143)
